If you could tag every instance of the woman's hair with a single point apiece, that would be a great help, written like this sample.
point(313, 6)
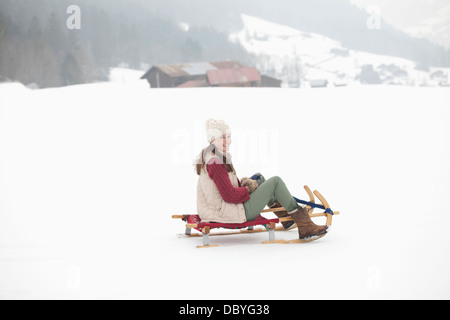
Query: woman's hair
point(200, 164)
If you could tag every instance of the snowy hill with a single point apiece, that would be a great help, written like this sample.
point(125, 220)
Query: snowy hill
point(90, 175)
point(299, 57)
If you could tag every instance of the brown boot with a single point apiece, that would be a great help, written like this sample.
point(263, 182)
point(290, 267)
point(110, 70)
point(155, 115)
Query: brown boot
point(282, 214)
point(306, 228)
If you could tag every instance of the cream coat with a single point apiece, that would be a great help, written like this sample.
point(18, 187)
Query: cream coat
point(210, 205)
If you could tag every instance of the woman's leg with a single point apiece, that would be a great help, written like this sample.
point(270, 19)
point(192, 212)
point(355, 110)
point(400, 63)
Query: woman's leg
point(273, 203)
point(260, 180)
point(267, 193)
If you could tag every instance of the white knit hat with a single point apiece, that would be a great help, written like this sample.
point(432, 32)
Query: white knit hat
point(216, 128)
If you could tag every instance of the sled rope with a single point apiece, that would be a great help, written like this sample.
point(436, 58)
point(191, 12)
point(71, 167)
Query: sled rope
point(314, 205)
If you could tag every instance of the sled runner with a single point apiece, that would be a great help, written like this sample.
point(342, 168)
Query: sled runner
point(204, 228)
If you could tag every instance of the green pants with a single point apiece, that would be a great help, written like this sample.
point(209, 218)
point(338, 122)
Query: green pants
point(268, 193)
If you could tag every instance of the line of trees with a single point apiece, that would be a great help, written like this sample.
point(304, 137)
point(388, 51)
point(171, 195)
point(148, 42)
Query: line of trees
point(42, 53)
point(36, 47)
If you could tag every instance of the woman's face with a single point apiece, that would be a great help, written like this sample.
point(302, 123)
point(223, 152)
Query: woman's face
point(223, 142)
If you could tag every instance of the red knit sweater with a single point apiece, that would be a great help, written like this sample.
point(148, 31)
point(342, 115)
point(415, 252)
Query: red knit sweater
point(229, 193)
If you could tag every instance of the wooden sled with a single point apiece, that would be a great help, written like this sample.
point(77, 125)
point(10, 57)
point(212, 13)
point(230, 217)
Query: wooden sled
point(269, 225)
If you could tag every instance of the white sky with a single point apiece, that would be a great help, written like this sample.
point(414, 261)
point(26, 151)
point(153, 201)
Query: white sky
point(404, 13)
point(428, 18)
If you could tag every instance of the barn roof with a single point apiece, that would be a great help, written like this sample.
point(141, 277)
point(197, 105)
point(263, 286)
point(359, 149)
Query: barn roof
point(193, 84)
point(193, 68)
point(186, 69)
point(227, 76)
point(227, 64)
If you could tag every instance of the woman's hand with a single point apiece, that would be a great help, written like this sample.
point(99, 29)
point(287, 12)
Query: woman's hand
point(250, 184)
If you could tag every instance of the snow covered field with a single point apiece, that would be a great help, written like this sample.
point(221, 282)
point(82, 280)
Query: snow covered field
point(91, 174)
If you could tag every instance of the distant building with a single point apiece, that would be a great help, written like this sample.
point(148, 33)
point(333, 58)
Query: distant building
point(267, 81)
point(207, 74)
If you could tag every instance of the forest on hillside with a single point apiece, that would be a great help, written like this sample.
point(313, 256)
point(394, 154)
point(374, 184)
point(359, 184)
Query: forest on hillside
point(37, 47)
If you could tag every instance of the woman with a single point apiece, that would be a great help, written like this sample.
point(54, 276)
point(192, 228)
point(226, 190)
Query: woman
point(222, 198)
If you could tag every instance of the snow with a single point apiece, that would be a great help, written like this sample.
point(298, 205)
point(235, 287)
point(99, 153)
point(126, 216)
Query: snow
point(127, 76)
point(296, 56)
point(91, 174)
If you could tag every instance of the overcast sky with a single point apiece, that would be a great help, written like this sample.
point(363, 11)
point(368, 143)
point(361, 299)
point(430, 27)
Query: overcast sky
point(406, 13)
point(423, 18)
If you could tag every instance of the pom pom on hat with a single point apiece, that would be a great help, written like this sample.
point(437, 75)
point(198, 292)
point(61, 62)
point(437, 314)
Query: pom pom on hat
point(216, 128)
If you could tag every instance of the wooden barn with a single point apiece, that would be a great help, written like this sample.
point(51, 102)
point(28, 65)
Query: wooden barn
point(206, 74)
